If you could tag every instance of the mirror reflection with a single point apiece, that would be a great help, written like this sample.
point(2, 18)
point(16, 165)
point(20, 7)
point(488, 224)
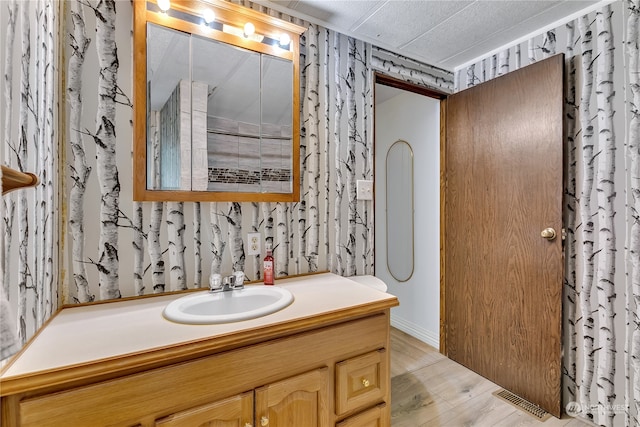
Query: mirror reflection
point(219, 116)
point(220, 107)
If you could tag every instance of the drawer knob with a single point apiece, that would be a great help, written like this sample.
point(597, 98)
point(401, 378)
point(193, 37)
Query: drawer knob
point(264, 421)
point(365, 382)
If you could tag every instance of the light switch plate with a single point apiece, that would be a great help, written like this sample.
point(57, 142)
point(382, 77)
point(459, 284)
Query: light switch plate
point(364, 189)
point(253, 240)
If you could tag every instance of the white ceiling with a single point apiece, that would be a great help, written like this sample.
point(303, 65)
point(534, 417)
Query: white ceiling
point(443, 33)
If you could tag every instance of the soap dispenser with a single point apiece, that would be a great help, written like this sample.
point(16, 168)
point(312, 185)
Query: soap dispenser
point(268, 266)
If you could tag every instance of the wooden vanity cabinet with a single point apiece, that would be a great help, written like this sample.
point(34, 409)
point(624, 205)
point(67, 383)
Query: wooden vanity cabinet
point(322, 376)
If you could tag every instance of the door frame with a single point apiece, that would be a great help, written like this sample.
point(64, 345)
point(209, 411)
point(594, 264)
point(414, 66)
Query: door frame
point(386, 80)
point(443, 98)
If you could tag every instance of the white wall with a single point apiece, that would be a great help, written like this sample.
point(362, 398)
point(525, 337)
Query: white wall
point(415, 119)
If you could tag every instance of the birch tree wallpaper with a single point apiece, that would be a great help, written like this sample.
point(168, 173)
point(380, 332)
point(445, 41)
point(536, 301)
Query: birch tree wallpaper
point(29, 115)
point(78, 237)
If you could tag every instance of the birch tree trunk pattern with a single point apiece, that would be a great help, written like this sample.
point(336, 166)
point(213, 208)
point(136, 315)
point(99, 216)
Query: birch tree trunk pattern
point(37, 155)
point(197, 245)
point(267, 220)
point(633, 253)
point(302, 205)
point(326, 147)
point(570, 212)
point(21, 153)
point(531, 50)
point(49, 241)
point(155, 248)
point(503, 60)
point(105, 140)
point(175, 231)
point(313, 149)
point(336, 260)
point(549, 44)
point(281, 253)
point(606, 212)
point(217, 242)
point(8, 202)
point(236, 245)
point(367, 166)
point(587, 224)
point(138, 248)
point(350, 248)
point(80, 170)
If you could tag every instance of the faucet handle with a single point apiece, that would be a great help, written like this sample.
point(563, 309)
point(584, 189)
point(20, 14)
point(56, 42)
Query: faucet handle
point(238, 282)
point(215, 282)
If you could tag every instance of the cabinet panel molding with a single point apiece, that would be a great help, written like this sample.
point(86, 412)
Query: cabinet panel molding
point(231, 412)
point(298, 401)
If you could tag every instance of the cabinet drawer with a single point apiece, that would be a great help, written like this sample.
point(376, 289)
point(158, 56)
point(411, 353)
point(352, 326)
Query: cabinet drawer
point(361, 381)
point(374, 417)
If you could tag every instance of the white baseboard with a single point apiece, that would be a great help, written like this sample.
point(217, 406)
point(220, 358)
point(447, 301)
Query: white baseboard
point(429, 337)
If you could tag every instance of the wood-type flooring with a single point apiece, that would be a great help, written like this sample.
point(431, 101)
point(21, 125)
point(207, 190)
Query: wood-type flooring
point(430, 390)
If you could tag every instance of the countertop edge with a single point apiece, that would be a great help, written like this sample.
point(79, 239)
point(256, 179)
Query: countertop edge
point(104, 369)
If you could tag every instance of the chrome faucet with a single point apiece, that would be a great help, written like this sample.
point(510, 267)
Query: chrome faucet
point(218, 283)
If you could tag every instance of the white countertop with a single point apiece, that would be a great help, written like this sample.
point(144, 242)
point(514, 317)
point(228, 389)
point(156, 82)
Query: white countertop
point(83, 334)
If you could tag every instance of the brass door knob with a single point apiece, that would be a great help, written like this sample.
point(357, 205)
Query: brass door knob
point(548, 233)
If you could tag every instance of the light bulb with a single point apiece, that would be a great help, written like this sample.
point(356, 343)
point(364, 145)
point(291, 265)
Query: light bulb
point(164, 5)
point(249, 29)
point(284, 39)
point(209, 16)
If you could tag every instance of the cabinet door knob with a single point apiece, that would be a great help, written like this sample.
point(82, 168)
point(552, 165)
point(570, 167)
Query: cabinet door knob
point(365, 382)
point(247, 425)
point(264, 421)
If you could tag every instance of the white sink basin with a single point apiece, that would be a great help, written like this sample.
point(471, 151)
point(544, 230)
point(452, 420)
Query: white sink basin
point(205, 308)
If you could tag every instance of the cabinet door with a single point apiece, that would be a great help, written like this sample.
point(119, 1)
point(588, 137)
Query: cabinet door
point(236, 411)
point(298, 401)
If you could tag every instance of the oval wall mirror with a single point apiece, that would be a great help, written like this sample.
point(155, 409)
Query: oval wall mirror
point(399, 206)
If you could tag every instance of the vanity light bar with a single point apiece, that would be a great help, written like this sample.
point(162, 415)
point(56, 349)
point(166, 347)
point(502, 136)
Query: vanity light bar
point(208, 19)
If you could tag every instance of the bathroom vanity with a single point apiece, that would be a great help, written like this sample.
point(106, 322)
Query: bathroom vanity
point(321, 361)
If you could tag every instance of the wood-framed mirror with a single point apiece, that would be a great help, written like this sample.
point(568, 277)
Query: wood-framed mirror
point(216, 108)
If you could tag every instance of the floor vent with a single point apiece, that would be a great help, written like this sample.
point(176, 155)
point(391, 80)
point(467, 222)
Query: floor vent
point(534, 410)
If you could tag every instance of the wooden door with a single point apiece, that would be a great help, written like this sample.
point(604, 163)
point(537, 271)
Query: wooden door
point(236, 411)
point(298, 401)
point(503, 163)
